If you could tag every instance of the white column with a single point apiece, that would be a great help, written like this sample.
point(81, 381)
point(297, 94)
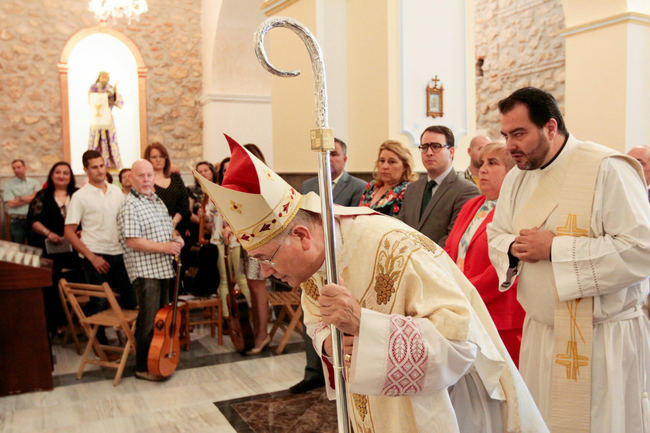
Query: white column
point(236, 89)
point(607, 70)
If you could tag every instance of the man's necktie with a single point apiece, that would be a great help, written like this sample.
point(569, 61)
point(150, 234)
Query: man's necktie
point(427, 195)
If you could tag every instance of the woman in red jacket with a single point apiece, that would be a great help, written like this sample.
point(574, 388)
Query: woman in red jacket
point(467, 245)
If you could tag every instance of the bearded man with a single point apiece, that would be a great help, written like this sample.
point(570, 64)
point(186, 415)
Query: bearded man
point(573, 221)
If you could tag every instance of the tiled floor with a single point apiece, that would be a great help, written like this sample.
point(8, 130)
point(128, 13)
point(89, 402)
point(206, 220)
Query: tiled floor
point(208, 374)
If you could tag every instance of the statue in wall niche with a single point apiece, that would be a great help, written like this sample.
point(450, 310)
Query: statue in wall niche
point(102, 97)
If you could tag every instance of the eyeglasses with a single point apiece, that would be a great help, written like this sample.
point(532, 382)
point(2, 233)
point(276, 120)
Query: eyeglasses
point(436, 147)
point(269, 262)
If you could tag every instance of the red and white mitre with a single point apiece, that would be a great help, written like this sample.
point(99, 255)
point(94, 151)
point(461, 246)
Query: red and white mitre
point(256, 202)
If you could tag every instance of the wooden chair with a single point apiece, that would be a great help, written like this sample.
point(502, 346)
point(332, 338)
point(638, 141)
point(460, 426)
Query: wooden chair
point(72, 330)
point(211, 314)
point(114, 316)
point(289, 302)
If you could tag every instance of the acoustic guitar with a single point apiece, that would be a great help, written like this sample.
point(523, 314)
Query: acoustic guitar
point(165, 348)
point(241, 333)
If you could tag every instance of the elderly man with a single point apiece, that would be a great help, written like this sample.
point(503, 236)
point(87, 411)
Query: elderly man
point(422, 351)
point(146, 235)
point(642, 154)
point(19, 191)
point(573, 221)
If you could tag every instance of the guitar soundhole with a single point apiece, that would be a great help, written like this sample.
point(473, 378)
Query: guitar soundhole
point(160, 324)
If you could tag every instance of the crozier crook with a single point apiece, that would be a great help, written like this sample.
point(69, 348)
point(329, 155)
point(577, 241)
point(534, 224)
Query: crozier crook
point(315, 55)
point(322, 141)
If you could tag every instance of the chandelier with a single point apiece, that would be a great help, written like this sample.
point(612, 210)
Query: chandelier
point(129, 9)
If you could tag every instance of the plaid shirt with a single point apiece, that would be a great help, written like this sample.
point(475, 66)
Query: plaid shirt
point(145, 217)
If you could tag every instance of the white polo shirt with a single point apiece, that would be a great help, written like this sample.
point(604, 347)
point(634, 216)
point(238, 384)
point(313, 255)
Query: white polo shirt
point(97, 212)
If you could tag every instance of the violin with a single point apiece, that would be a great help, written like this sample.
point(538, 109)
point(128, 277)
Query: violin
point(241, 332)
point(165, 348)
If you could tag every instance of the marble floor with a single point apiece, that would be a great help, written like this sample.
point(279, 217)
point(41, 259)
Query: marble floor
point(282, 412)
point(208, 375)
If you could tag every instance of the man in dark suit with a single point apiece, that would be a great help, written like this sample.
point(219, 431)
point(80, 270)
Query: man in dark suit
point(346, 191)
point(431, 204)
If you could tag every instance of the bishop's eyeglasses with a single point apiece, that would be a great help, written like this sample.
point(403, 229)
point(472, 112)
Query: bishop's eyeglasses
point(269, 262)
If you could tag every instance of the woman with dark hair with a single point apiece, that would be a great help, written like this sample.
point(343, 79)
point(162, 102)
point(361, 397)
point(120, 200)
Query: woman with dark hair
point(47, 211)
point(195, 195)
point(223, 166)
point(392, 174)
point(46, 220)
point(252, 148)
point(169, 186)
point(198, 253)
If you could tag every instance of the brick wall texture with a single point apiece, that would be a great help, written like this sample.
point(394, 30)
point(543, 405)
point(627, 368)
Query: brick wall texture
point(521, 45)
point(32, 36)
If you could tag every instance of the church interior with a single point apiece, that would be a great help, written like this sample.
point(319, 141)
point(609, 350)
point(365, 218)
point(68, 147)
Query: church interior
point(188, 73)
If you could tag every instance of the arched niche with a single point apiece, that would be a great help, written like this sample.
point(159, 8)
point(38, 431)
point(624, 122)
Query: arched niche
point(86, 53)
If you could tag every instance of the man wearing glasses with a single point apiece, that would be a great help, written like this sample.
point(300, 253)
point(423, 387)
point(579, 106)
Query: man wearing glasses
point(432, 203)
point(421, 352)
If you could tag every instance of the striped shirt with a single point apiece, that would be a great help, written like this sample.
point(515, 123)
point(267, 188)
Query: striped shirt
point(142, 216)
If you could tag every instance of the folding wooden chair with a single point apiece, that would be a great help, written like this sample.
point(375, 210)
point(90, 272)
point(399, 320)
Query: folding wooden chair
point(71, 330)
point(211, 314)
point(289, 301)
point(114, 316)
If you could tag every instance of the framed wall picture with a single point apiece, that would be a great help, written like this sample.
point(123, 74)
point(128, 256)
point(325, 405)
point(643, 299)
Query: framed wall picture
point(435, 98)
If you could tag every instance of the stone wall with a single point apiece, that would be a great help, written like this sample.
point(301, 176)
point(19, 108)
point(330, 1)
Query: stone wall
point(32, 36)
point(520, 43)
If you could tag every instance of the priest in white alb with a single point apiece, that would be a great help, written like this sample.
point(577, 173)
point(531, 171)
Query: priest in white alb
point(573, 221)
point(422, 354)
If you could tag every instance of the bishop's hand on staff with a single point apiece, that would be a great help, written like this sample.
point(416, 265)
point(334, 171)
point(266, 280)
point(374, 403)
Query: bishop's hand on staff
point(424, 354)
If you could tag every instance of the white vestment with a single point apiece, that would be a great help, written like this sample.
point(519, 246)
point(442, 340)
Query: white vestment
point(612, 265)
point(423, 330)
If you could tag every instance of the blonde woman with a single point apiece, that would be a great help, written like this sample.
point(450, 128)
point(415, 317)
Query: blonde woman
point(392, 174)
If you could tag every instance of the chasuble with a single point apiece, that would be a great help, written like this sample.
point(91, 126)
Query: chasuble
point(428, 357)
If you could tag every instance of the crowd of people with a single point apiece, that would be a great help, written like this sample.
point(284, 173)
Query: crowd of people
point(537, 225)
point(100, 232)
